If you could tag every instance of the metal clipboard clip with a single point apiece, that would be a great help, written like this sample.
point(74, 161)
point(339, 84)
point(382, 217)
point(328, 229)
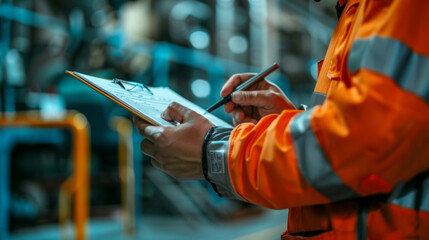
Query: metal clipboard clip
point(122, 84)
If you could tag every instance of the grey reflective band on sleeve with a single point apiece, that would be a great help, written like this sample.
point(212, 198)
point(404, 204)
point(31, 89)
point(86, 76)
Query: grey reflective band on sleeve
point(312, 162)
point(393, 59)
point(317, 98)
point(216, 150)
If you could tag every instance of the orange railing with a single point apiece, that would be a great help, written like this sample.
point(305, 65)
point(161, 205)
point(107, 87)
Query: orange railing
point(78, 183)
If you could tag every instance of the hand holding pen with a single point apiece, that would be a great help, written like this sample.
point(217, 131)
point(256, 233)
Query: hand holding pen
point(244, 85)
point(260, 99)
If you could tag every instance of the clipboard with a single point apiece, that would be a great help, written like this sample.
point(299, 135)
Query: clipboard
point(146, 102)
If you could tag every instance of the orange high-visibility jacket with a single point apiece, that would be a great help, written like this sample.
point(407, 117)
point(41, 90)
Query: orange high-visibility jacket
point(356, 165)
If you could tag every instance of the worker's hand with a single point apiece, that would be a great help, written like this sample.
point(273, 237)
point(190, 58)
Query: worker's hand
point(261, 99)
point(176, 150)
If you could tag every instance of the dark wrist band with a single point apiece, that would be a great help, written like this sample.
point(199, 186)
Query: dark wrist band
point(204, 157)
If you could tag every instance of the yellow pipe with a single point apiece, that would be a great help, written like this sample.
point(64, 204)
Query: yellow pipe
point(78, 125)
point(124, 128)
point(66, 191)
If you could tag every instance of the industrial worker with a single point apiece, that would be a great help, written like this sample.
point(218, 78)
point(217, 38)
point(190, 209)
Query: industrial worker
point(352, 166)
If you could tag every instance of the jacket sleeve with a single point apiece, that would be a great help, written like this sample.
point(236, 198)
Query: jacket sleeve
point(371, 133)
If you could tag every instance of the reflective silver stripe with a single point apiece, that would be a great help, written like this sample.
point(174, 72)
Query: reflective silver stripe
point(413, 194)
point(394, 59)
point(317, 98)
point(312, 162)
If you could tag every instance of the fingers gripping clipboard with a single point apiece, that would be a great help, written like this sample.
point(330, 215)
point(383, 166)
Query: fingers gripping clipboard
point(146, 102)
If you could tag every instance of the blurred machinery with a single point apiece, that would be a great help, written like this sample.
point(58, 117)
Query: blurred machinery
point(192, 46)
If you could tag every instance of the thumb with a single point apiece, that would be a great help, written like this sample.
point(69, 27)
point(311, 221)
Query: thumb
point(176, 112)
point(251, 98)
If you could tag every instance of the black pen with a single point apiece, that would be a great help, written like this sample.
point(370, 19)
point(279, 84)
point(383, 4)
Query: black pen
point(244, 86)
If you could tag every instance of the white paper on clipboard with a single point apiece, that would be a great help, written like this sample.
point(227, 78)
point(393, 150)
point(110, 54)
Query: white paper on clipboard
point(141, 102)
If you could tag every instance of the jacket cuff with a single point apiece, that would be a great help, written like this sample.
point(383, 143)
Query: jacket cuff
point(215, 161)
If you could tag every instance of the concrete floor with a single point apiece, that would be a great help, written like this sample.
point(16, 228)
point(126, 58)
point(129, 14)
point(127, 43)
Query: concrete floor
point(268, 226)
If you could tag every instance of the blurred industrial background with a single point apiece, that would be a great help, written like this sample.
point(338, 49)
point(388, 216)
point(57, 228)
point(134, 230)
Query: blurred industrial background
point(70, 164)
